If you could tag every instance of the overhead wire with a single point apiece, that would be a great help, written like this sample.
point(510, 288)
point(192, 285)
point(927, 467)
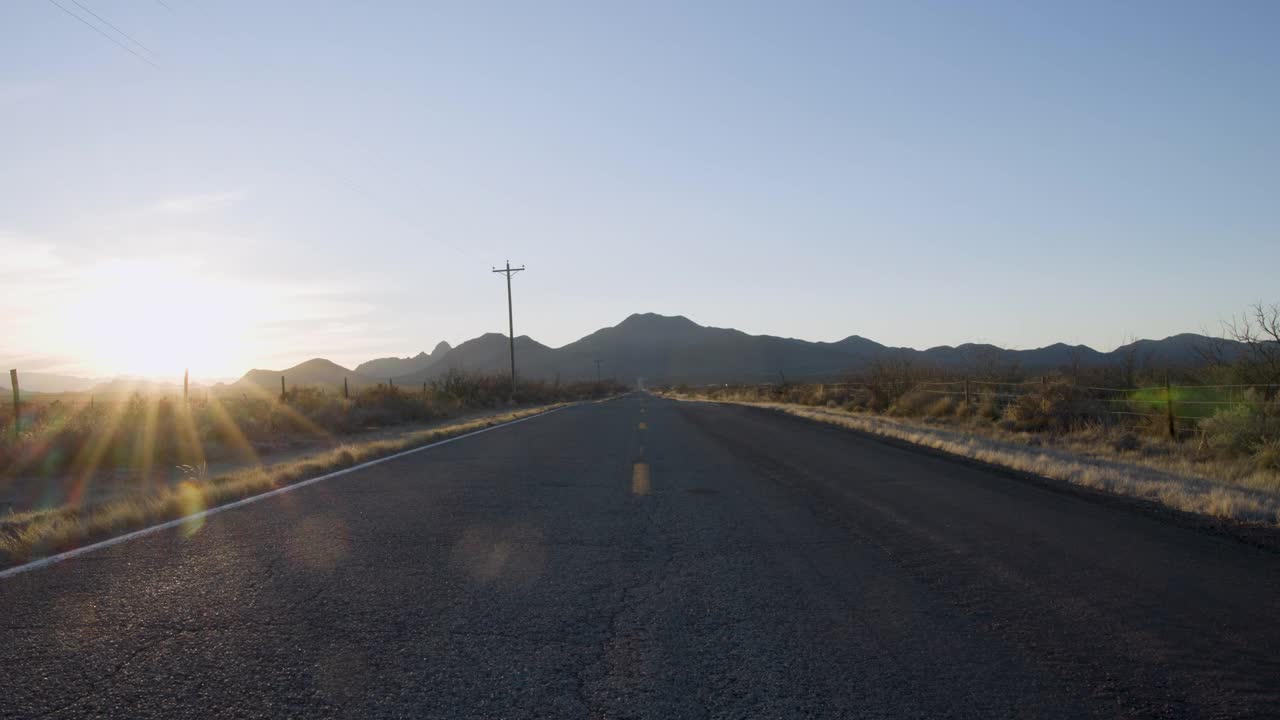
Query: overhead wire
point(352, 184)
point(111, 25)
point(104, 34)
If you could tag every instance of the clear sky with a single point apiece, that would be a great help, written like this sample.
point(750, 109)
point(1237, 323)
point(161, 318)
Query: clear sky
point(336, 178)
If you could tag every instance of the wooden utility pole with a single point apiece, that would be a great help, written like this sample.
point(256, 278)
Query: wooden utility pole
point(597, 370)
point(186, 386)
point(345, 392)
point(1168, 408)
point(511, 323)
point(17, 404)
point(282, 392)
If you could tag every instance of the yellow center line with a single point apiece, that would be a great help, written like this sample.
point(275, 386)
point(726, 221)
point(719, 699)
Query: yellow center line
point(640, 479)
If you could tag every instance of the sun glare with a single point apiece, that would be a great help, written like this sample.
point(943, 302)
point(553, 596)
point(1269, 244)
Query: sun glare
point(157, 317)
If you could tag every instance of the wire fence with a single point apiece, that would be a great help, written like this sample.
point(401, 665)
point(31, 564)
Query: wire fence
point(1179, 402)
point(1185, 403)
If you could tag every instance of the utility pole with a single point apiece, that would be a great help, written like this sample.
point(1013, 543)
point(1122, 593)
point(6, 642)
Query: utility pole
point(511, 323)
point(17, 404)
point(597, 370)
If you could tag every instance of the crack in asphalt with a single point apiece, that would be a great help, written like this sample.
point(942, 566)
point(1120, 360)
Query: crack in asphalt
point(102, 682)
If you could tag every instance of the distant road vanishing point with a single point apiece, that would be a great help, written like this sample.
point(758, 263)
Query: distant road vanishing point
point(655, 559)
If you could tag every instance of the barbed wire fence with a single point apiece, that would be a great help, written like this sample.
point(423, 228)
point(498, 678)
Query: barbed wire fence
point(1177, 405)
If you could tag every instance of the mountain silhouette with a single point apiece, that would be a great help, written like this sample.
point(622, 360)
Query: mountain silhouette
point(673, 349)
point(490, 353)
point(392, 367)
point(316, 372)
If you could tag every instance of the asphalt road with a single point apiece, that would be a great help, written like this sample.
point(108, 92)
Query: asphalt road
point(653, 559)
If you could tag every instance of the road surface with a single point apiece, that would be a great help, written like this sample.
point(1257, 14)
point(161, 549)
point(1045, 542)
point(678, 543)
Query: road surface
point(653, 559)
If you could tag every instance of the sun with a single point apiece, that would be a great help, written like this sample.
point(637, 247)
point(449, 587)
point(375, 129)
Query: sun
point(157, 317)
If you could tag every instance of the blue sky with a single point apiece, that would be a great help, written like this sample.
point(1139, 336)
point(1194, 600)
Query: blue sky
point(336, 178)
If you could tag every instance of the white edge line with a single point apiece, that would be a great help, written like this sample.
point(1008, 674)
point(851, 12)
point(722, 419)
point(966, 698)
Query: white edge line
point(60, 557)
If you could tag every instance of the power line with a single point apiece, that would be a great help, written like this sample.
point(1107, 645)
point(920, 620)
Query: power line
point(109, 24)
point(377, 204)
point(100, 31)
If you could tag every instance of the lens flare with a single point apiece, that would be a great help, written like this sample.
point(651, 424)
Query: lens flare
point(190, 502)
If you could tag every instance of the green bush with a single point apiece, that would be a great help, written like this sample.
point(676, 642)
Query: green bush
point(1239, 430)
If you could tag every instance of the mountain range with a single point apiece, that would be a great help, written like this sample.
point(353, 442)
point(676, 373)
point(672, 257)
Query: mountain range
point(674, 349)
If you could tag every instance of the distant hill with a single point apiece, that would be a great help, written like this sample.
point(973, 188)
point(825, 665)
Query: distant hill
point(675, 349)
point(316, 372)
point(129, 386)
point(393, 367)
point(661, 348)
point(1177, 350)
point(489, 353)
point(38, 382)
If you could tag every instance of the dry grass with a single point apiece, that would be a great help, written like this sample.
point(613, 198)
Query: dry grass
point(28, 535)
point(1095, 457)
point(73, 435)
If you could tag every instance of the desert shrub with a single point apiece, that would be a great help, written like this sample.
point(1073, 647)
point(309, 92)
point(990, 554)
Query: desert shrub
point(942, 407)
point(1054, 408)
point(1266, 454)
point(988, 409)
point(914, 403)
point(1125, 442)
point(1239, 429)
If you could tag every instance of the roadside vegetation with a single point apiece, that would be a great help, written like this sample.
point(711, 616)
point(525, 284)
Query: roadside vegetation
point(137, 431)
point(1203, 439)
point(65, 448)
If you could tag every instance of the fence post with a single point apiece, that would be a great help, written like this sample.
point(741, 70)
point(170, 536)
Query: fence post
point(282, 392)
point(17, 404)
point(345, 392)
point(966, 391)
point(1168, 408)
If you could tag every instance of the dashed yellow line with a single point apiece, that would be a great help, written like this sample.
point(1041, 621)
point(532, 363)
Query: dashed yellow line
point(640, 479)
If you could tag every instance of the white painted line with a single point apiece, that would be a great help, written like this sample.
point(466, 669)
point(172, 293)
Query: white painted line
point(54, 559)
